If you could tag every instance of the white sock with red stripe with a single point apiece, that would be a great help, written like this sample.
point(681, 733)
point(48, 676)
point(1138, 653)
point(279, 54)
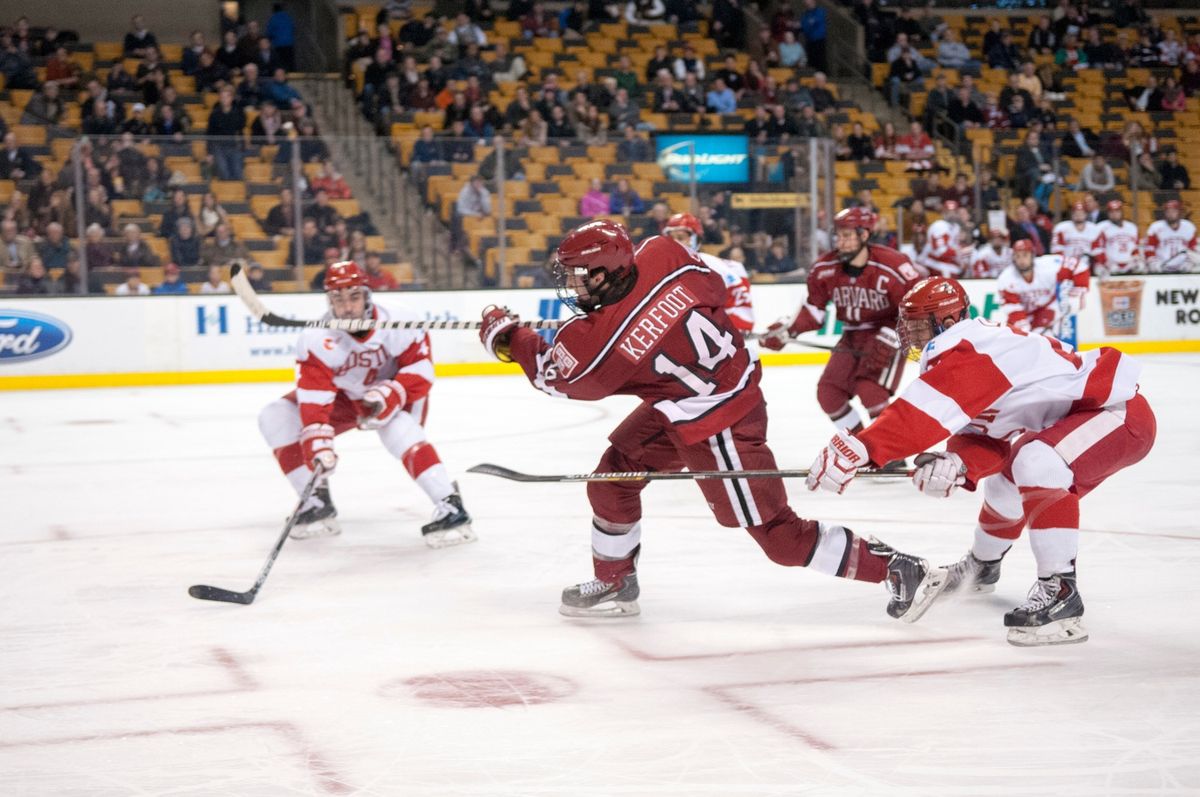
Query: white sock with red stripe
point(426, 468)
point(1051, 509)
point(846, 419)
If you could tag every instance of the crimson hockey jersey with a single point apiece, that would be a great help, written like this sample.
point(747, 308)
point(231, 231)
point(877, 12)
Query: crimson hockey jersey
point(868, 300)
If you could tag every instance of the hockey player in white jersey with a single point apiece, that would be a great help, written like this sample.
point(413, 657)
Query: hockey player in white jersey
point(1120, 253)
point(1171, 246)
point(1037, 424)
point(940, 253)
point(1035, 292)
point(1077, 238)
point(686, 228)
point(377, 380)
point(990, 260)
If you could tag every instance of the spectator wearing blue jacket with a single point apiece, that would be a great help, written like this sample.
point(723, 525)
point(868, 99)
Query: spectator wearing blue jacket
point(280, 91)
point(172, 282)
point(625, 200)
point(281, 30)
point(813, 24)
point(720, 98)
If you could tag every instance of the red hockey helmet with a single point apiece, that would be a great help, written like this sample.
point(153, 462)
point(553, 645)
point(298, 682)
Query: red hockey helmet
point(685, 222)
point(347, 290)
point(1115, 205)
point(1172, 210)
point(926, 309)
point(594, 265)
point(1024, 245)
point(859, 220)
point(855, 219)
point(949, 206)
point(345, 274)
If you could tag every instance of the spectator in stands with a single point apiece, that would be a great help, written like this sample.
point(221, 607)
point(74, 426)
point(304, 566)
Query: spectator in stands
point(1144, 53)
point(666, 98)
point(69, 279)
point(1034, 172)
point(727, 24)
point(623, 112)
point(210, 215)
point(994, 117)
point(281, 217)
point(687, 64)
point(229, 55)
point(1097, 176)
point(313, 242)
point(1079, 142)
point(903, 78)
point(1170, 49)
point(97, 209)
point(953, 54)
point(659, 61)
point(595, 201)
point(184, 243)
point(267, 127)
point(378, 279)
point(809, 125)
point(625, 199)
point(1173, 175)
point(167, 123)
point(191, 53)
point(280, 90)
point(1134, 140)
point(591, 129)
point(887, 143)
point(1144, 175)
point(1042, 39)
point(777, 260)
point(730, 75)
point(466, 32)
point(1146, 98)
point(249, 93)
point(917, 148)
point(720, 98)
point(325, 214)
point(222, 247)
point(330, 256)
point(98, 253)
point(133, 285)
point(54, 248)
point(791, 52)
point(139, 39)
point(1017, 112)
point(558, 126)
point(264, 57)
point(210, 75)
point(226, 126)
point(813, 23)
point(822, 96)
point(134, 252)
point(172, 284)
point(625, 77)
point(61, 70)
point(257, 278)
point(902, 46)
point(15, 162)
point(281, 30)
point(1173, 98)
point(963, 111)
point(478, 127)
point(176, 210)
point(862, 147)
point(1070, 55)
point(759, 123)
point(44, 107)
point(16, 250)
point(938, 101)
point(331, 181)
point(539, 23)
point(506, 67)
point(1190, 80)
point(1025, 229)
point(633, 147)
point(214, 282)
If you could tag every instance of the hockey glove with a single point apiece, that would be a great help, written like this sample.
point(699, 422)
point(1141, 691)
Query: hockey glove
point(381, 402)
point(496, 331)
point(882, 351)
point(776, 336)
point(834, 467)
point(939, 474)
point(316, 442)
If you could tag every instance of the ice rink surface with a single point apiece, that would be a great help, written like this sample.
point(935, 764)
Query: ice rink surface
point(373, 665)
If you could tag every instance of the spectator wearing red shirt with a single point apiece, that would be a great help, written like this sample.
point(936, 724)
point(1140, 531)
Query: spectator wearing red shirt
point(377, 278)
point(917, 148)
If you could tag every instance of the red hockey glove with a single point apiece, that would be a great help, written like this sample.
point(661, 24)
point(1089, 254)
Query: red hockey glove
point(834, 467)
point(882, 350)
point(939, 474)
point(316, 442)
point(496, 331)
point(776, 336)
point(381, 402)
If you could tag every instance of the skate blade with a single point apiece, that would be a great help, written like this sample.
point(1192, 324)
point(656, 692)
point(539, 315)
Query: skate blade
point(605, 611)
point(1062, 632)
point(927, 591)
point(448, 538)
point(329, 527)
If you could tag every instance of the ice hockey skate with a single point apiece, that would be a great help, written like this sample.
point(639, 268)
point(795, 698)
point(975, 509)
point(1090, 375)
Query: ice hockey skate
point(451, 525)
point(911, 582)
point(319, 519)
point(972, 575)
point(1050, 615)
point(598, 598)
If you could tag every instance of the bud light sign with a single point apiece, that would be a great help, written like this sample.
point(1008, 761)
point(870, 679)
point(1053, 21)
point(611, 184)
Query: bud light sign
point(717, 159)
point(28, 336)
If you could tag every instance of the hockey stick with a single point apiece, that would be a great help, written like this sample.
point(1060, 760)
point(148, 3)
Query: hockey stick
point(207, 593)
point(245, 291)
point(487, 469)
point(797, 341)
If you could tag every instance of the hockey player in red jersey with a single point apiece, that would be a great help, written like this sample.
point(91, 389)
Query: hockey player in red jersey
point(865, 282)
point(1039, 425)
point(686, 228)
point(377, 380)
point(653, 325)
point(1036, 292)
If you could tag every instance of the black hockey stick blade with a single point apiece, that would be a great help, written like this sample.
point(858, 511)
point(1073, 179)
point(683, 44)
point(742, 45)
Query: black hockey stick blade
point(206, 593)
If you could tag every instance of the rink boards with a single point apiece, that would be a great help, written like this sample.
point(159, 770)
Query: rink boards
point(114, 341)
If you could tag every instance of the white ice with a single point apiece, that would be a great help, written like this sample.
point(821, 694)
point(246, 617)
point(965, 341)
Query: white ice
point(373, 665)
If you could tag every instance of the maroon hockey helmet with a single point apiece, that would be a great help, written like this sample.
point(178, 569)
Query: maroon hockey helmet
point(855, 219)
point(594, 265)
point(926, 308)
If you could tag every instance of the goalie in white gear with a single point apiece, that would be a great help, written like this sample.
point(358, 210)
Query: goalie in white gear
point(686, 228)
point(376, 380)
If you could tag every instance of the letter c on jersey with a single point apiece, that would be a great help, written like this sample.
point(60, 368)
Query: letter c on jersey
point(28, 336)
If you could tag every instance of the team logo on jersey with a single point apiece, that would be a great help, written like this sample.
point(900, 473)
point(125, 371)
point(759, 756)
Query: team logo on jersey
point(565, 361)
point(28, 336)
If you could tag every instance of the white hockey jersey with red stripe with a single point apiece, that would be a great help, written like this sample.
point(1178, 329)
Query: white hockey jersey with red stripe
point(940, 254)
point(330, 361)
point(985, 379)
point(738, 305)
point(1072, 242)
point(1120, 247)
point(1165, 243)
point(1033, 305)
point(986, 262)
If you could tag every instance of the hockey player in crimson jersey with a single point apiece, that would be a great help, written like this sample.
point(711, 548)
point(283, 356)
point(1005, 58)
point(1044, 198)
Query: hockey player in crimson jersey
point(1037, 424)
point(1120, 254)
point(653, 325)
point(686, 228)
point(1032, 289)
point(1171, 245)
point(1077, 239)
point(377, 380)
point(865, 282)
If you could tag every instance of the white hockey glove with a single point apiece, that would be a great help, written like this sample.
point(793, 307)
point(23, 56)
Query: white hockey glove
point(836, 465)
point(382, 401)
point(939, 474)
point(316, 442)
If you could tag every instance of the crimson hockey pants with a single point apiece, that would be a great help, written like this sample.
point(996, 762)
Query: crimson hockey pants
point(848, 374)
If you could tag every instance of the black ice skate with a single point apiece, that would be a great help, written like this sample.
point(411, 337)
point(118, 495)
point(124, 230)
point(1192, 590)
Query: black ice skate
point(598, 598)
point(451, 525)
point(911, 582)
point(1050, 615)
point(319, 520)
point(969, 575)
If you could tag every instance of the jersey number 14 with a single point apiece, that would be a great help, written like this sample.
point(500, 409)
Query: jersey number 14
point(712, 346)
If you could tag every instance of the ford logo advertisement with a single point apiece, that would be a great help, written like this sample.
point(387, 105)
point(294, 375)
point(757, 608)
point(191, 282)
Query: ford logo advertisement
point(718, 159)
point(28, 336)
